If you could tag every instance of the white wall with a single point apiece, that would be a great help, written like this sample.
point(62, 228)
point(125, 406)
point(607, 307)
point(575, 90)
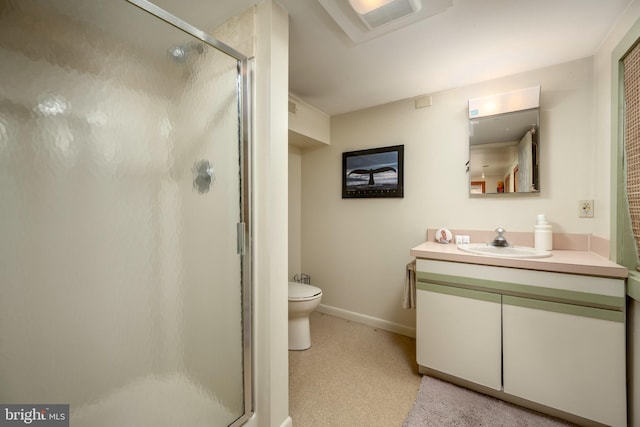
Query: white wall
point(270, 220)
point(307, 124)
point(295, 216)
point(356, 250)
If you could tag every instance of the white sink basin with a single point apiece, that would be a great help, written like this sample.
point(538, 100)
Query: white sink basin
point(503, 252)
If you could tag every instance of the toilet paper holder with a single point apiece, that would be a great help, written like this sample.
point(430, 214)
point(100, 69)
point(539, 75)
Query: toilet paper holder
point(302, 278)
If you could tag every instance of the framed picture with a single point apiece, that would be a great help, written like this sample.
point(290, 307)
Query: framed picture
point(377, 172)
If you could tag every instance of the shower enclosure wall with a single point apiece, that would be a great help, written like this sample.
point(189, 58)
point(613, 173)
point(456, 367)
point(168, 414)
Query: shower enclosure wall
point(124, 204)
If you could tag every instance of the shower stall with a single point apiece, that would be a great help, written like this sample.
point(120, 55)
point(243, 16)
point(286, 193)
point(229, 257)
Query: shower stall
point(125, 276)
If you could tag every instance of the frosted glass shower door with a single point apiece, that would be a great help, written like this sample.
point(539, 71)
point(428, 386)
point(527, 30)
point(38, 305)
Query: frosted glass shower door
point(121, 191)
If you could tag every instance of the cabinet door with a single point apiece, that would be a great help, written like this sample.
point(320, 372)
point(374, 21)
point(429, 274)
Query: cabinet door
point(458, 333)
point(566, 356)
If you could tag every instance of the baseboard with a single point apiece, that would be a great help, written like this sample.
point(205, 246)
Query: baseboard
point(368, 320)
point(254, 422)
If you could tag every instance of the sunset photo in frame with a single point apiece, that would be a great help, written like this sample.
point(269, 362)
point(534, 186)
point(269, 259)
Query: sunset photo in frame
point(376, 172)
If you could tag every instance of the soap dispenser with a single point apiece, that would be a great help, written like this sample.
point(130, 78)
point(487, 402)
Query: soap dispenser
point(543, 237)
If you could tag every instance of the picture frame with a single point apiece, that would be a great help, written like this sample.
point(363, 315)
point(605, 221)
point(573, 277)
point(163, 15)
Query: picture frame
point(373, 173)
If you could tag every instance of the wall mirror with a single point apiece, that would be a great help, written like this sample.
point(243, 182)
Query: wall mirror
point(504, 153)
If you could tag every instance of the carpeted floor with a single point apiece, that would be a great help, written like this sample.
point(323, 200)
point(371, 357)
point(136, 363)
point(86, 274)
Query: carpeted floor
point(443, 404)
point(353, 375)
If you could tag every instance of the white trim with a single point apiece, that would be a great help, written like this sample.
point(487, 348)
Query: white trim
point(368, 320)
point(287, 422)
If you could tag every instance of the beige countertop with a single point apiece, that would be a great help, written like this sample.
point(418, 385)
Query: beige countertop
point(561, 261)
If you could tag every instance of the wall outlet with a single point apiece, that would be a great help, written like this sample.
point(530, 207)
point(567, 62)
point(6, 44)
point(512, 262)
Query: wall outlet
point(585, 208)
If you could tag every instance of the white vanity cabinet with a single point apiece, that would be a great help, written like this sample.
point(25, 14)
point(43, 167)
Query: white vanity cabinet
point(459, 332)
point(554, 339)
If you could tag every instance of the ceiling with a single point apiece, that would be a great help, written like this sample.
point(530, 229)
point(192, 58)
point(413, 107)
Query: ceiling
point(469, 42)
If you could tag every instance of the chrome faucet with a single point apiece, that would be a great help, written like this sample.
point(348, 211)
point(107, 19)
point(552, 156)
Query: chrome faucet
point(500, 240)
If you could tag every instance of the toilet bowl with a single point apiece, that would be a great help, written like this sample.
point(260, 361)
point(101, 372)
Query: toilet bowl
point(303, 299)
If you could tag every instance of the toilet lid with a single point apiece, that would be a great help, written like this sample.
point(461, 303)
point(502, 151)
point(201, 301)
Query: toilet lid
point(301, 291)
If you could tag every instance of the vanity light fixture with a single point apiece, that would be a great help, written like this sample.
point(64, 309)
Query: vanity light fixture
point(517, 100)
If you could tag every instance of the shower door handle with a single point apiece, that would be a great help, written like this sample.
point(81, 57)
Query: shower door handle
point(240, 232)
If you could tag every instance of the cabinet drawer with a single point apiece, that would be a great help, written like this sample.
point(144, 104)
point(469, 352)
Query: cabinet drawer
point(600, 292)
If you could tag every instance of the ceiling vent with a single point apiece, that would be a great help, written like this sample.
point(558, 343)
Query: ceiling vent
point(384, 12)
point(364, 20)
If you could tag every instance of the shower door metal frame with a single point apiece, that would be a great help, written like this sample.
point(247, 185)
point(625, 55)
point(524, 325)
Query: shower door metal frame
point(244, 87)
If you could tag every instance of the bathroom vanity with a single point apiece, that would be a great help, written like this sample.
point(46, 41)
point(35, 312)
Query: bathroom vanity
point(545, 333)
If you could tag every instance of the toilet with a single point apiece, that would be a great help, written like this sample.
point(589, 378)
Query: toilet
point(303, 299)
